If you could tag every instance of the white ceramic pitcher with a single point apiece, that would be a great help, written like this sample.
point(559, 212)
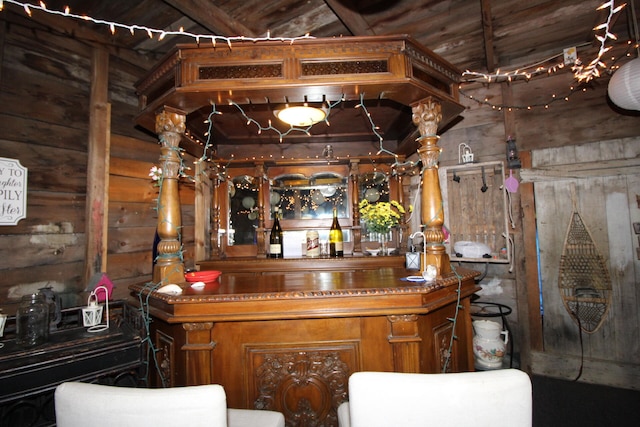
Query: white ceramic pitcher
point(488, 347)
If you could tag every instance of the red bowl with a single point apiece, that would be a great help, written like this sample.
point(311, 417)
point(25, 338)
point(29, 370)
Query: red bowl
point(202, 276)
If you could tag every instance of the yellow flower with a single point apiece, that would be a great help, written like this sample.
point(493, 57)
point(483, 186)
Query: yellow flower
point(381, 216)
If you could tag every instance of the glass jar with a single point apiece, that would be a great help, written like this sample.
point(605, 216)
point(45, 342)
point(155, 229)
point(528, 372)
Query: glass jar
point(32, 321)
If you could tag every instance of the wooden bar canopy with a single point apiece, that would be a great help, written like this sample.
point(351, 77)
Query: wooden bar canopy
point(192, 79)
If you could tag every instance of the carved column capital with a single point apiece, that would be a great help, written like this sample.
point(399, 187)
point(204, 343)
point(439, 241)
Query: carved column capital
point(170, 120)
point(427, 115)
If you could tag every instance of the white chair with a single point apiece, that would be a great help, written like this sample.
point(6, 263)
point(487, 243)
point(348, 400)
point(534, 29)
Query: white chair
point(478, 399)
point(81, 404)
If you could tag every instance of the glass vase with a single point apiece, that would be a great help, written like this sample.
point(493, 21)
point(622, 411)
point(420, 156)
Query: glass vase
point(32, 321)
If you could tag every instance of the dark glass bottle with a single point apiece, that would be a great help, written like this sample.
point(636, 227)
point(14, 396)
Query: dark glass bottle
point(275, 239)
point(335, 237)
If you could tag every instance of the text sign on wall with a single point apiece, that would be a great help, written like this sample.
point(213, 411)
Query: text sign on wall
point(13, 191)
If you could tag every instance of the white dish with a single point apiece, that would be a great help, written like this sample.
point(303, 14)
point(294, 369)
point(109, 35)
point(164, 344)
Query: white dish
point(170, 290)
point(198, 285)
point(373, 252)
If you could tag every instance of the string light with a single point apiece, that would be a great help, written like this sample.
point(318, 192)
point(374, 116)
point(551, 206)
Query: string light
point(151, 32)
point(524, 73)
point(581, 73)
point(592, 70)
point(545, 105)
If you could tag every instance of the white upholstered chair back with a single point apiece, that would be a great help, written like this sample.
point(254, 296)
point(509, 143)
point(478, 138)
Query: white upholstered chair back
point(80, 404)
point(478, 399)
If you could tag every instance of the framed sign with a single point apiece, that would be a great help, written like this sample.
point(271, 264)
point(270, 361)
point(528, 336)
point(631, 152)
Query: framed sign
point(13, 191)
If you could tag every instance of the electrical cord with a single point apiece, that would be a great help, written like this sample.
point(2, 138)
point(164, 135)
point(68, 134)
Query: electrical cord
point(449, 352)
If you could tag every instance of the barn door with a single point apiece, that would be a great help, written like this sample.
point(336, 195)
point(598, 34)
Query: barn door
point(587, 199)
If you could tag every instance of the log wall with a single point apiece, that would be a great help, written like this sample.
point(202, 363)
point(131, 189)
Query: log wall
point(44, 117)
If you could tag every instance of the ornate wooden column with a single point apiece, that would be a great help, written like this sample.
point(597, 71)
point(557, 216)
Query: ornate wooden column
point(214, 220)
point(169, 268)
point(263, 188)
point(354, 180)
point(426, 115)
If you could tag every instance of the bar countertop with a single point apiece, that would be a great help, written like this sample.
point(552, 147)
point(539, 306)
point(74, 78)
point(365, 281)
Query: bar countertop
point(300, 294)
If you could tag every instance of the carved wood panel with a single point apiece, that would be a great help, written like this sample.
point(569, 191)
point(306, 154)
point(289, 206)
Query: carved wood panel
point(306, 383)
point(165, 359)
point(443, 349)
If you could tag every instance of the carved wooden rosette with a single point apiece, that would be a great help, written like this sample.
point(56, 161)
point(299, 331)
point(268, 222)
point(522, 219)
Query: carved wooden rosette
point(170, 126)
point(426, 115)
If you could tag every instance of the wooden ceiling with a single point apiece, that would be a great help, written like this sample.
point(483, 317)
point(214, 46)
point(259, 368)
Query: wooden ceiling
point(477, 35)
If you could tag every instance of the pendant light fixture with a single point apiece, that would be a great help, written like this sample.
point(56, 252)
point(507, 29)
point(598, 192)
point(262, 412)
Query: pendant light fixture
point(301, 115)
point(624, 86)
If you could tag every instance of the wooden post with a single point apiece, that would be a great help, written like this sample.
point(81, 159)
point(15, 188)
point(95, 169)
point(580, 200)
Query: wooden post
point(98, 155)
point(169, 268)
point(426, 115)
point(214, 219)
point(263, 188)
point(354, 180)
point(203, 206)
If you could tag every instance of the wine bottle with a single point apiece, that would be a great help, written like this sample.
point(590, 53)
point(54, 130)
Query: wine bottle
point(335, 237)
point(275, 239)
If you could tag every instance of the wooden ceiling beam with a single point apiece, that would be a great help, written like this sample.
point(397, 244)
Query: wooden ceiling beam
point(487, 30)
point(211, 17)
point(354, 21)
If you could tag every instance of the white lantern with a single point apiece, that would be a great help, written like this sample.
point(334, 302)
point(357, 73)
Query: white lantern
point(624, 86)
point(92, 313)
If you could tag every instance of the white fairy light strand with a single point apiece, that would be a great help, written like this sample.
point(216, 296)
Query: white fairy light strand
point(151, 32)
point(509, 76)
point(592, 70)
point(581, 73)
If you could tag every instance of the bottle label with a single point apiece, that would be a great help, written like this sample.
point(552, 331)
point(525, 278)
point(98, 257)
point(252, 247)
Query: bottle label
point(339, 246)
point(275, 249)
point(313, 244)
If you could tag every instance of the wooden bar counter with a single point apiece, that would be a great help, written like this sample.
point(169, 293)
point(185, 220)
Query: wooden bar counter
point(288, 341)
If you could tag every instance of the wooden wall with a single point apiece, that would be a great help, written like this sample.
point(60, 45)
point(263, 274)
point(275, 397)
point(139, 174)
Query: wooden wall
point(597, 182)
point(587, 117)
point(45, 83)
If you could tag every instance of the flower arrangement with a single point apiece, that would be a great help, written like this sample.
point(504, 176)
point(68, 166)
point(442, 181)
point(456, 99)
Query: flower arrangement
point(155, 173)
point(381, 216)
